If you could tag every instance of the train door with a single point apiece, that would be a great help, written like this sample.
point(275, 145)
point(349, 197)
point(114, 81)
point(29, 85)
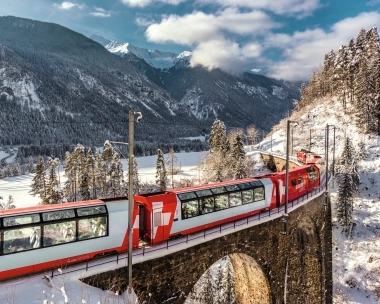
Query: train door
point(143, 229)
point(157, 228)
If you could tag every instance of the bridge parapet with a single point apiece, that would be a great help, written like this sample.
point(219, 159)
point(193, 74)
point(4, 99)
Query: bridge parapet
point(297, 266)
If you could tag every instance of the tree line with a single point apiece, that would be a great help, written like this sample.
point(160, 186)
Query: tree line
point(353, 75)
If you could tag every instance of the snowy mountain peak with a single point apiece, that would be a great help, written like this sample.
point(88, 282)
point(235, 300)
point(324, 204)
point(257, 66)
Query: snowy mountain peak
point(155, 58)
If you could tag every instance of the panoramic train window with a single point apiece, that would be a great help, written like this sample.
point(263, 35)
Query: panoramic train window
point(186, 196)
point(256, 183)
point(201, 193)
point(92, 227)
point(235, 199)
point(58, 215)
point(219, 190)
point(233, 188)
point(21, 239)
point(55, 234)
point(245, 186)
point(190, 209)
point(258, 194)
point(21, 220)
point(247, 196)
point(207, 205)
point(312, 174)
point(91, 210)
point(221, 202)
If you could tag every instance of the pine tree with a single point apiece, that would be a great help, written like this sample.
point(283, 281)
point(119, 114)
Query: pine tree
point(161, 177)
point(240, 166)
point(116, 176)
point(84, 189)
point(136, 179)
point(90, 168)
point(70, 173)
point(218, 138)
point(217, 166)
point(53, 192)
point(348, 180)
point(170, 161)
point(30, 164)
point(7, 205)
point(252, 134)
point(362, 152)
point(38, 186)
point(345, 201)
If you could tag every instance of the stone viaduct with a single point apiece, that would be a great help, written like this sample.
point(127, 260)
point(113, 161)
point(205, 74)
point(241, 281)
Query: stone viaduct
point(273, 267)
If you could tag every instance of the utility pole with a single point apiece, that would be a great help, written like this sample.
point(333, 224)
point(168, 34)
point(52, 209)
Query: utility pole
point(286, 215)
point(130, 192)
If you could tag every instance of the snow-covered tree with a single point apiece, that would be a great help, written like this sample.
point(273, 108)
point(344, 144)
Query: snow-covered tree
point(361, 152)
point(217, 166)
point(54, 194)
point(9, 204)
point(116, 176)
point(171, 159)
point(252, 134)
point(136, 179)
point(90, 166)
point(30, 164)
point(239, 164)
point(348, 180)
point(38, 186)
point(218, 138)
point(161, 176)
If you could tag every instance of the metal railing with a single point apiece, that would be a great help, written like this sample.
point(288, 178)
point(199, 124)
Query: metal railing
point(206, 235)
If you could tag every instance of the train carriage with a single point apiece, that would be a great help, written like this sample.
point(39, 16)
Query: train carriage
point(51, 236)
point(188, 210)
point(44, 237)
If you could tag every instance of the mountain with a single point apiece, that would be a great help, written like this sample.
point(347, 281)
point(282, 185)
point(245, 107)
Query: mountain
point(247, 98)
point(156, 59)
point(58, 86)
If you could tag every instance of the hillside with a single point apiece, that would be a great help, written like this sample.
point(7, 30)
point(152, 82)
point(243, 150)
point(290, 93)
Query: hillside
point(356, 260)
point(59, 87)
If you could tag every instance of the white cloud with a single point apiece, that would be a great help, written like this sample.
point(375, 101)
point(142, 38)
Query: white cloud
point(100, 12)
point(143, 3)
point(198, 27)
point(210, 36)
point(252, 50)
point(66, 5)
point(221, 53)
point(304, 51)
point(143, 21)
point(298, 8)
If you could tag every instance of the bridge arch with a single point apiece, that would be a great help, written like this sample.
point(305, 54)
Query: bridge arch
point(237, 276)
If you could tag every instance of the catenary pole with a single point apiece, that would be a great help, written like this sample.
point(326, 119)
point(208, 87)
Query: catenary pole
point(130, 197)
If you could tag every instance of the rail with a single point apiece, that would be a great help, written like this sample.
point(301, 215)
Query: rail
point(150, 252)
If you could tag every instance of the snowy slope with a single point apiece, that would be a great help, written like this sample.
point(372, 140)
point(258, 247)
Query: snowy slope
point(356, 258)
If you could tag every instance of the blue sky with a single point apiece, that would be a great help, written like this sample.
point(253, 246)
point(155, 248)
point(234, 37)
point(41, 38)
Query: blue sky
point(286, 39)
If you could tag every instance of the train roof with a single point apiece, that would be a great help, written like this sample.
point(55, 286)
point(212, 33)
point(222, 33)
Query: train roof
point(50, 207)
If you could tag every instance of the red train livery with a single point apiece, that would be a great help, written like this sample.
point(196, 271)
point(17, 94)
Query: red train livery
point(45, 237)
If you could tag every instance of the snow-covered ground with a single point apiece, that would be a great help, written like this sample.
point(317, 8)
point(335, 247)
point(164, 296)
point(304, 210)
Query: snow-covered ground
point(356, 258)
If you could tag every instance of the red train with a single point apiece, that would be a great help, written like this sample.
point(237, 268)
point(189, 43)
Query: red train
point(45, 237)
